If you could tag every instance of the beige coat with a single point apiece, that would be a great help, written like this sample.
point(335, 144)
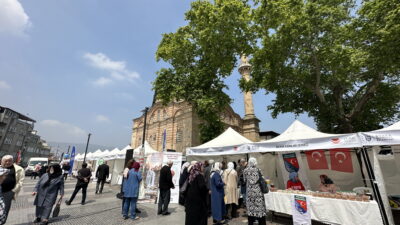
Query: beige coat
point(19, 178)
point(231, 191)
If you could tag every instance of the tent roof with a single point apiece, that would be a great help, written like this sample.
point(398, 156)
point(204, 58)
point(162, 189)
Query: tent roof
point(115, 151)
point(298, 131)
point(392, 127)
point(147, 149)
point(228, 138)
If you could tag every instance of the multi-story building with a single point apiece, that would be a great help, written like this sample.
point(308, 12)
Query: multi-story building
point(17, 135)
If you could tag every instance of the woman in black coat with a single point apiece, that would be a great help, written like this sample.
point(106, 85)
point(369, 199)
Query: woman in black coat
point(182, 179)
point(196, 197)
point(46, 190)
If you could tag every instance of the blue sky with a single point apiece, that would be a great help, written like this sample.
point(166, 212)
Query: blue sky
point(87, 66)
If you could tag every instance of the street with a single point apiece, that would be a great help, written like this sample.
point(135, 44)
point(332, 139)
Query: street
point(99, 209)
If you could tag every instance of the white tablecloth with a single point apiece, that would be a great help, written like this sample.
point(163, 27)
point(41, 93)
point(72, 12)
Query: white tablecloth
point(328, 210)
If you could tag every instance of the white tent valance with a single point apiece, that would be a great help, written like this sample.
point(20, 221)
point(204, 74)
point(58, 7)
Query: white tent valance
point(229, 142)
point(298, 137)
point(387, 136)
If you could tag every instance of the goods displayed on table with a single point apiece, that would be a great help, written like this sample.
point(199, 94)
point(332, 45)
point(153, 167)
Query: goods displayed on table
point(338, 195)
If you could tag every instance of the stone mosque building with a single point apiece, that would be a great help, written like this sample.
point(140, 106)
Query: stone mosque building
point(181, 124)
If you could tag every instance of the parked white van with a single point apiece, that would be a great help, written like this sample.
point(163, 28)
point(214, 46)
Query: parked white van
point(32, 163)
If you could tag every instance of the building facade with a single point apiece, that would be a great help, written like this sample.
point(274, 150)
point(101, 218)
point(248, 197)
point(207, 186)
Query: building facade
point(17, 136)
point(178, 122)
point(181, 124)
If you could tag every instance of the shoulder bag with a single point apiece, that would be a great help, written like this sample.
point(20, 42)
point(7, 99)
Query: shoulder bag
point(263, 185)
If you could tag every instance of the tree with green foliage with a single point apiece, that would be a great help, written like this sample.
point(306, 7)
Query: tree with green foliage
point(337, 61)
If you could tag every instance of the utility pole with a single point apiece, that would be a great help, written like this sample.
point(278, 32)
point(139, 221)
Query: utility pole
point(87, 145)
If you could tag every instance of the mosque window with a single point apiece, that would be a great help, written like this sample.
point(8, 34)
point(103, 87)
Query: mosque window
point(179, 134)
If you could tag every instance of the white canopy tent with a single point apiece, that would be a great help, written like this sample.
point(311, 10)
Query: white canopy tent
point(147, 149)
point(300, 137)
point(113, 154)
point(122, 153)
point(227, 143)
point(386, 136)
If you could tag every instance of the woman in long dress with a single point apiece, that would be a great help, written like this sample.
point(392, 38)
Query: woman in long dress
point(255, 198)
point(231, 191)
point(196, 197)
point(182, 179)
point(46, 190)
point(217, 194)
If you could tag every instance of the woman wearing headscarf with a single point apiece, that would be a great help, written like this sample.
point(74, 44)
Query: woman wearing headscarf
point(196, 197)
point(184, 176)
point(46, 190)
point(131, 191)
point(217, 194)
point(231, 192)
point(294, 182)
point(327, 184)
point(255, 198)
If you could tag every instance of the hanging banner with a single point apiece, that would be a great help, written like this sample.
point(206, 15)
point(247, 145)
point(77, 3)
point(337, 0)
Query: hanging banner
point(301, 210)
point(176, 158)
point(293, 171)
point(164, 143)
point(72, 159)
point(18, 157)
point(341, 160)
point(151, 176)
point(316, 160)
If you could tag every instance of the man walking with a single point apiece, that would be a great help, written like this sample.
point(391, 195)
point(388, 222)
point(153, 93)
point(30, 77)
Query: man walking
point(66, 167)
point(84, 175)
point(165, 185)
point(12, 183)
point(102, 174)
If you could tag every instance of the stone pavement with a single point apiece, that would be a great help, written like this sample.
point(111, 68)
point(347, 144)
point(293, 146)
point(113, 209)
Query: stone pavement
point(99, 209)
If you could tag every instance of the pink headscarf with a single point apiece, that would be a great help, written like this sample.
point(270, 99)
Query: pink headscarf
point(136, 166)
point(196, 169)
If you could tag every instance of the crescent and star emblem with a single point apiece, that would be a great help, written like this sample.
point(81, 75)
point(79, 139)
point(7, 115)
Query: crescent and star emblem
point(317, 157)
point(337, 154)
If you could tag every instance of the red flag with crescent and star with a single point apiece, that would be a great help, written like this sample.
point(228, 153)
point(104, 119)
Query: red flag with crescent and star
point(341, 160)
point(317, 160)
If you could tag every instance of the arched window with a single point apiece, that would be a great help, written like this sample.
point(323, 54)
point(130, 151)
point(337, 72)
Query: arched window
point(179, 135)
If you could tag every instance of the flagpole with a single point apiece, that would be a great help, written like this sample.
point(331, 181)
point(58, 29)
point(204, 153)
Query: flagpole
point(87, 145)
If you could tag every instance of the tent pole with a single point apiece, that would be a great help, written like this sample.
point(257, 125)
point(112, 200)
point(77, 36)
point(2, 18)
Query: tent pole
point(358, 154)
point(374, 186)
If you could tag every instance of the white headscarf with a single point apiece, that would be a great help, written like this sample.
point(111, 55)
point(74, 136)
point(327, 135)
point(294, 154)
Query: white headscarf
point(252, 162)
point(216, 168)
point(185, 165)
point(231, 166)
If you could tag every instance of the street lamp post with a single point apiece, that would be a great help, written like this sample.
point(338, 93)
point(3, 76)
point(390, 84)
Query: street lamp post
point(87, 145)
point(144, 130)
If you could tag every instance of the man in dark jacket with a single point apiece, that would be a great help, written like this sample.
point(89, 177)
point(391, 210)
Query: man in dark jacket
point(165, 185)
point(84, 175)
point(207, 172)
point(66, 167)
point(102, 174)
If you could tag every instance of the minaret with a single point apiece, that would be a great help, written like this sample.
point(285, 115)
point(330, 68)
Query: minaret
point(250, 122)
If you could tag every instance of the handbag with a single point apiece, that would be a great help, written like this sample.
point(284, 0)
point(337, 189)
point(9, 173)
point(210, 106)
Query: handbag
point(184, 187)
point(263, 185)
point(56, 210)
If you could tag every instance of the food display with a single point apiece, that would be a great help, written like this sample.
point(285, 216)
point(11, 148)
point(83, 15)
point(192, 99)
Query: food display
point(338, 195)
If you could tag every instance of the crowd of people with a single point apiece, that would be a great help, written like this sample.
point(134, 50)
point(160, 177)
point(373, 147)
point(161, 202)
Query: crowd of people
point(214, 188)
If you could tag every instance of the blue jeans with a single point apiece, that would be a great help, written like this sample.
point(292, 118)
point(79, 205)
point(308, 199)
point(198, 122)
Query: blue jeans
point(130, 202)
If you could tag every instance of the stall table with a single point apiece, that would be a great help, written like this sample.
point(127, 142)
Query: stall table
point(329, 210)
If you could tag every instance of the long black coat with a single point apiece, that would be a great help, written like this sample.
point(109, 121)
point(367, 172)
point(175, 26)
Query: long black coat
point(196, 202)
point(47, 196)
point(165, 182)
point(103, 171)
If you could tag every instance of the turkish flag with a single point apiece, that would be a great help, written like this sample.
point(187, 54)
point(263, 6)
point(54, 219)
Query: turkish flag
point(317, 160)
point(341, 160)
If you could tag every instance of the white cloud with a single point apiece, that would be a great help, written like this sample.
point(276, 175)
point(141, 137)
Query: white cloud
point(54, 130)
point(102, 119)
point(4, 85)
point(117, 69)
point(13, 19)
point(102, 81)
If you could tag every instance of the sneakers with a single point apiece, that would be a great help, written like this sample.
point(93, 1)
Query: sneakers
point(67, 202)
